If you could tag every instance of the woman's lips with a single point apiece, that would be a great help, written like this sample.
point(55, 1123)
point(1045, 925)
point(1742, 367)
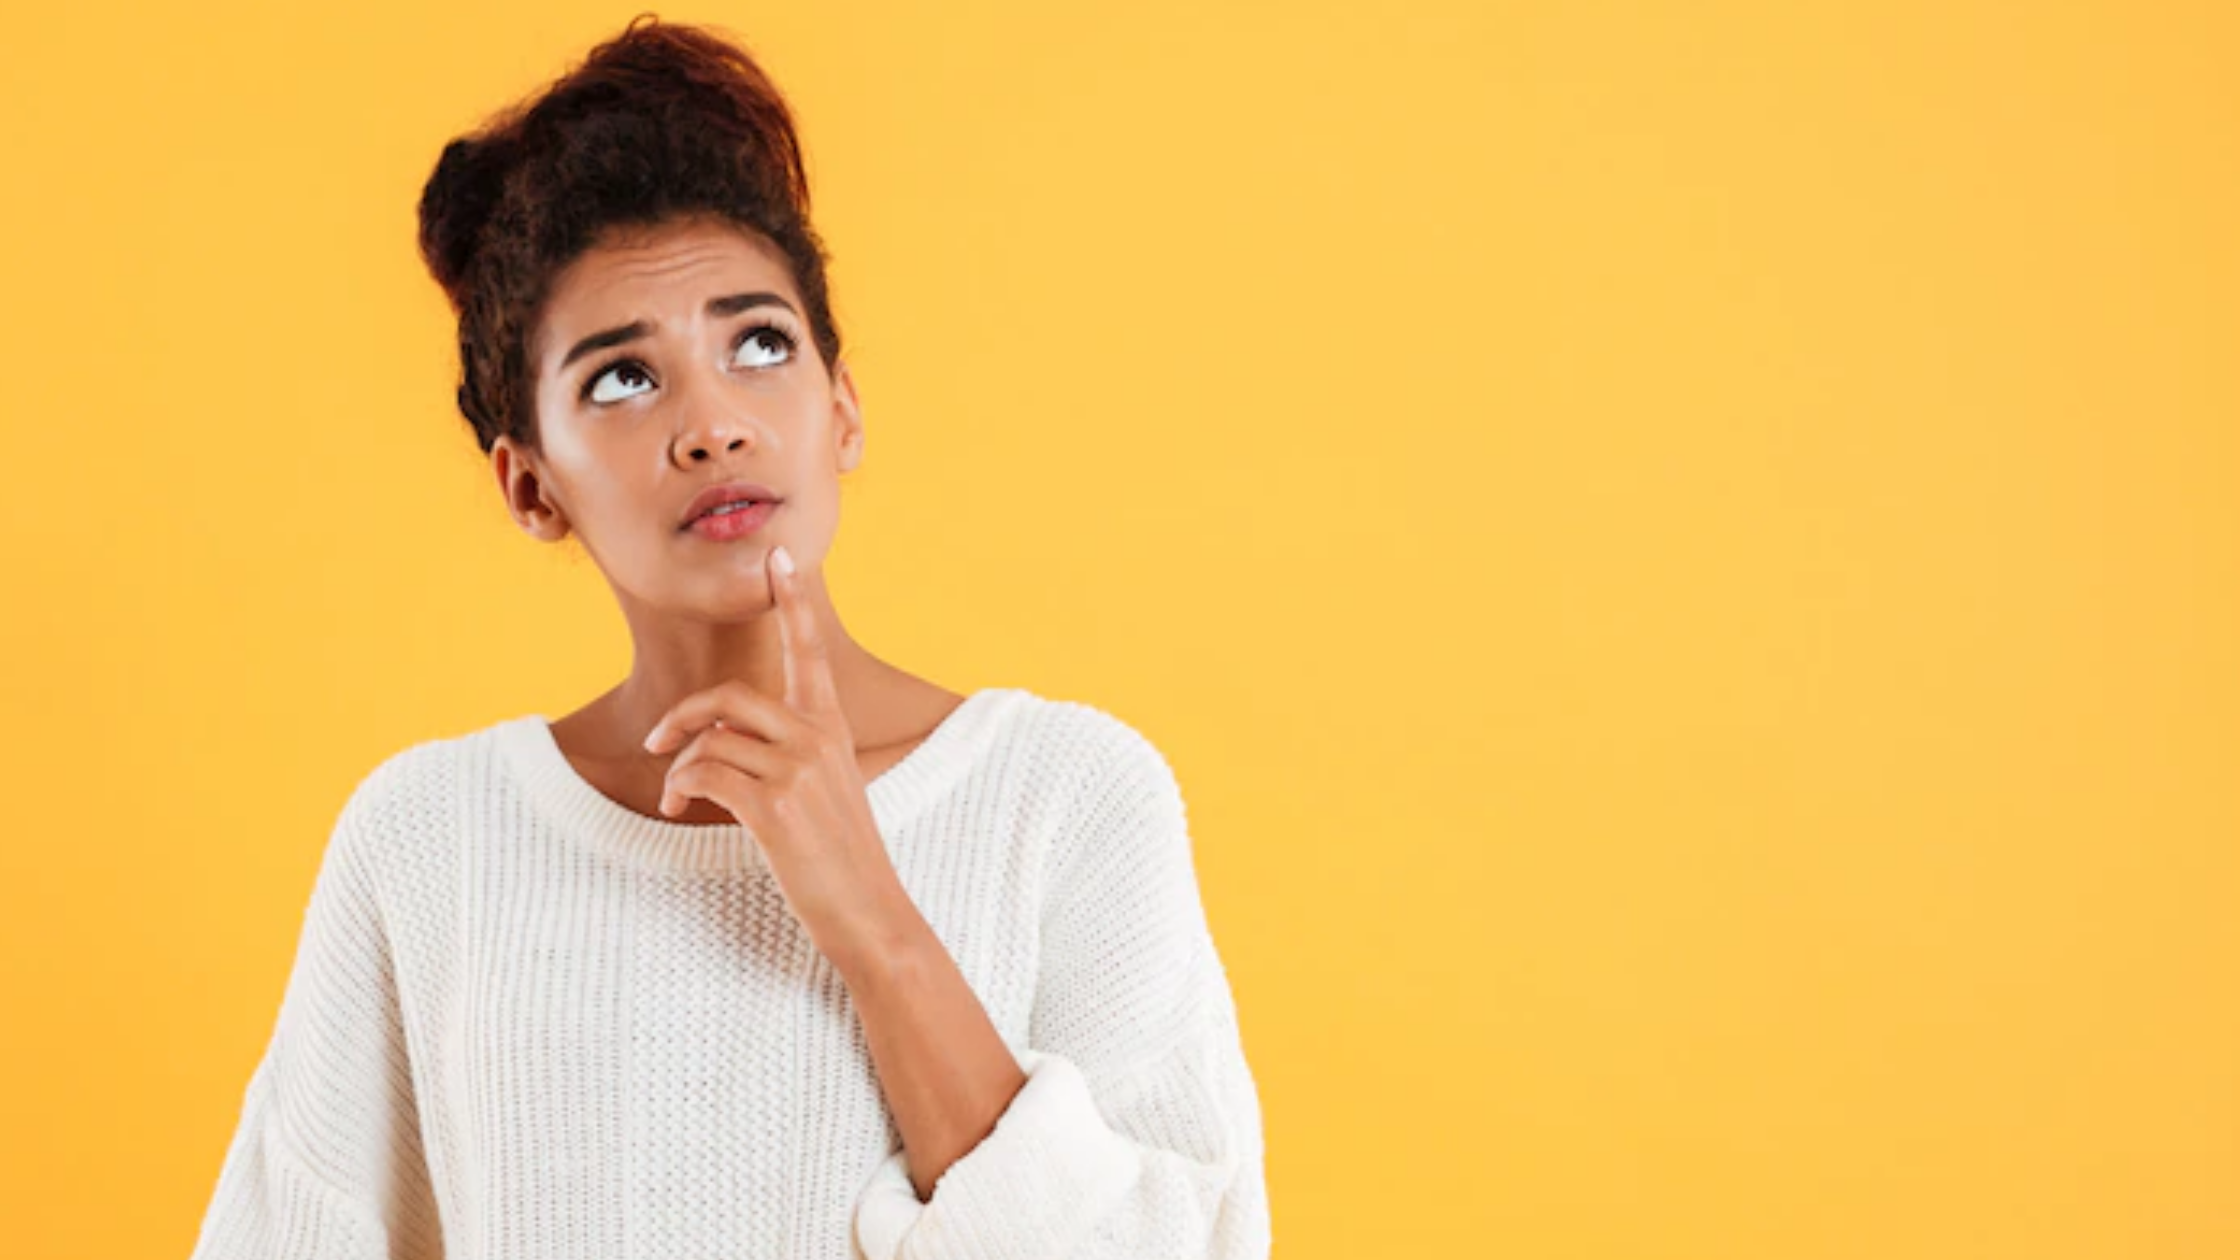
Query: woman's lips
point(724, 526)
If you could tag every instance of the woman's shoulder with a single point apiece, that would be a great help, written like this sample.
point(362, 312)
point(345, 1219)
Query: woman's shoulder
point(1069, 729)
point(403, 807)
point(421, 773)
point(1091, 754)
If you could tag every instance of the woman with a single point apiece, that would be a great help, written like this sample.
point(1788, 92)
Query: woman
point(774, 949)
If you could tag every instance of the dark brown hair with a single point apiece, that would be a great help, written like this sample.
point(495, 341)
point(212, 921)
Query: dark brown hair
point(661, 122)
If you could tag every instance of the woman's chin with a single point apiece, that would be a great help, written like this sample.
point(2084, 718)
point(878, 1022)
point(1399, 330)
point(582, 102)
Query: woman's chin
point(739, 600)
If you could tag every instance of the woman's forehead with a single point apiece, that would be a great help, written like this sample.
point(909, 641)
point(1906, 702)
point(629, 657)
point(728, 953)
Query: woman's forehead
point(660, 275)
point(658, 263)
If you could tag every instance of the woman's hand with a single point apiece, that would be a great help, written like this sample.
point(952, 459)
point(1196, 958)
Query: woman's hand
point(787, 770)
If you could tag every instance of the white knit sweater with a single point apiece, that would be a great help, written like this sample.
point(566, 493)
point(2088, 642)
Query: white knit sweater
point(527, 1023)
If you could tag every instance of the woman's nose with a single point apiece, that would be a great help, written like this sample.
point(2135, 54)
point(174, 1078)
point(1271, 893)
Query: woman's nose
point(711, 424)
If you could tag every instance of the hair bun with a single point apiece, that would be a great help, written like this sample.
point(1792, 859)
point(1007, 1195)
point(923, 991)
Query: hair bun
point(456, 204)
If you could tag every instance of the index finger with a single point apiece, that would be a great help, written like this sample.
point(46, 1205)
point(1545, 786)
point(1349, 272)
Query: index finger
point(809, 685)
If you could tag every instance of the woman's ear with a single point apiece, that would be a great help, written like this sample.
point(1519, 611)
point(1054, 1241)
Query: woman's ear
point(523, 489)
point(847, 418)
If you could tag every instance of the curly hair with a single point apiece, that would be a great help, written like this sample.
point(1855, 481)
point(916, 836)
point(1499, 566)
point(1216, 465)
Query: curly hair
point(663, 121)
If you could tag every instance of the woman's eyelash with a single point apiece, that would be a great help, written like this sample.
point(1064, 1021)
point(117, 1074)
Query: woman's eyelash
point(787, 339)
point(764, 326)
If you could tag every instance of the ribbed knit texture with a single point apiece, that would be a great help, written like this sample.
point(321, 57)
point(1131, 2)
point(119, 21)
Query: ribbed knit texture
point(527, 1023)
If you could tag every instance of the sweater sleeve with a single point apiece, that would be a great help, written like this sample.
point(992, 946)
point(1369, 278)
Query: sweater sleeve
point(1138, 1132)
point(325, 1162)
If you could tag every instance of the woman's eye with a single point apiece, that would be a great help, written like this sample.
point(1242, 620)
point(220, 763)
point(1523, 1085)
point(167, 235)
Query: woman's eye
point(773, 333)
point(775, 344)
point(625, 368)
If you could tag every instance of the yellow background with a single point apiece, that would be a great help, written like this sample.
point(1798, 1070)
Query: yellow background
point(1685, 556)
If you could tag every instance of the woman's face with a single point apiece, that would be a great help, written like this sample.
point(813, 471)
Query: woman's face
point(668, 360)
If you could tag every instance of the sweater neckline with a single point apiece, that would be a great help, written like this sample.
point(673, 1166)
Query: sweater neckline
point(896, 794)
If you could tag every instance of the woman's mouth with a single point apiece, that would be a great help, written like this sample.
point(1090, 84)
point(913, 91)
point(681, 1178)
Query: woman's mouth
point(733, 520)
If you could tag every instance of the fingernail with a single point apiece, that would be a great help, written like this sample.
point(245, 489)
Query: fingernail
point(647, 743)
point(783, 559)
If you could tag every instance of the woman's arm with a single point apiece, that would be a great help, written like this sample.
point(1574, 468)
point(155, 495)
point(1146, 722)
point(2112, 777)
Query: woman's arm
point(326, 1161)
point(942, 1065)
point(1138, 1131)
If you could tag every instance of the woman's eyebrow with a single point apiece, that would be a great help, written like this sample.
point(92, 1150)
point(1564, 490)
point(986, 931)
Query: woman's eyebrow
point(730, 304)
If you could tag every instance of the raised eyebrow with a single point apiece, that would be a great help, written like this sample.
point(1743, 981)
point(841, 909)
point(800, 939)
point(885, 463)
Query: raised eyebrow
point(728, 304)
